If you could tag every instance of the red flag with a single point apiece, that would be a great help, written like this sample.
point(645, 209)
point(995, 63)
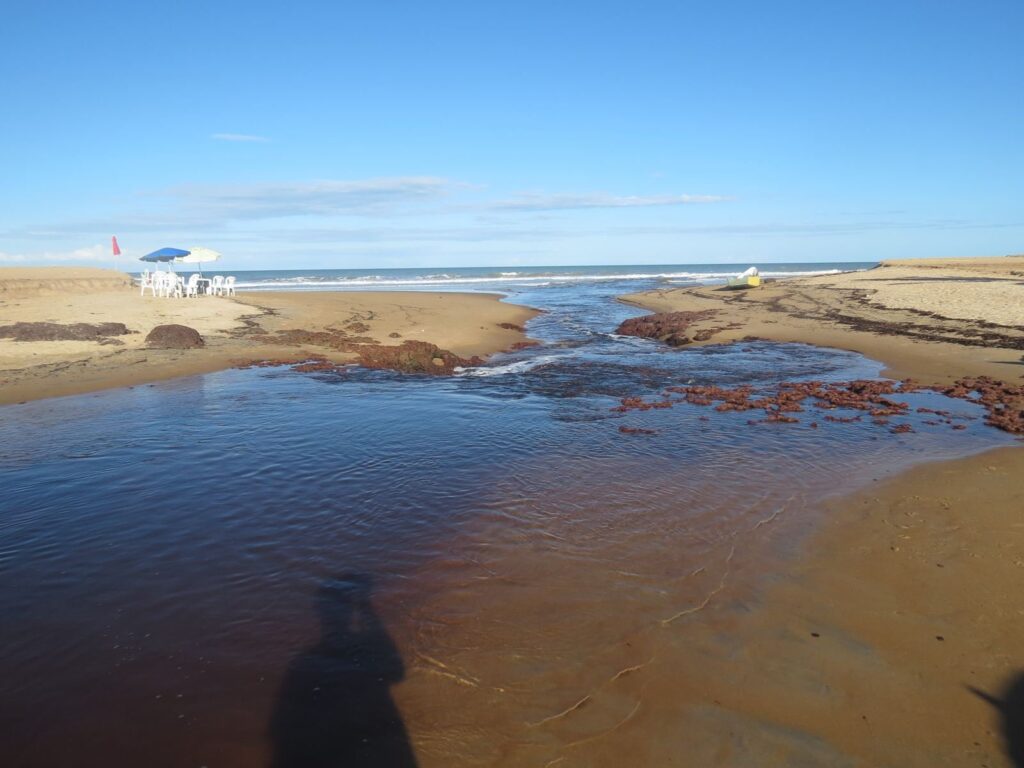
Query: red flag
point(114, 245)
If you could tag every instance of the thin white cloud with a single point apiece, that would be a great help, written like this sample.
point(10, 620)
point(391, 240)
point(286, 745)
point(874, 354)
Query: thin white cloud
point(540, 202)
point(90, 253)
point(816, 228)
point(198, 208)
point(328, 197)
point(243, 137)
point(171, 225)
point(204, 207)
point(470, 234)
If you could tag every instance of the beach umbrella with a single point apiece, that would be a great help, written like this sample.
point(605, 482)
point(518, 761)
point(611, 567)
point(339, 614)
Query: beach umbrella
point(198, 255)
point(164, 256)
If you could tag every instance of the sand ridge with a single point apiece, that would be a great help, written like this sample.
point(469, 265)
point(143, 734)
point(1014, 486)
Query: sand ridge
point(935, 322)
point(236, 330)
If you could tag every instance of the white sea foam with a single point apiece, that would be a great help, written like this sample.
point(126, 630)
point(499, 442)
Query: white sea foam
point(726, 275)
point(516, 278)
point(519, 366)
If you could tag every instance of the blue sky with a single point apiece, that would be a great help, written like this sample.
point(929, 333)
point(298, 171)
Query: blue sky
point(391, 134)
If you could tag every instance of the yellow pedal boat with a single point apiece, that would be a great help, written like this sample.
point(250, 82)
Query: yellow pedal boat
point(746, 281)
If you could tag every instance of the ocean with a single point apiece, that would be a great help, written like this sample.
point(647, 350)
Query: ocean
point(502, 279)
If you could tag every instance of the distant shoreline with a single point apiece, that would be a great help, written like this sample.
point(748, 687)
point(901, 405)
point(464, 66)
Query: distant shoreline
point(237, 331)
point(512, 277)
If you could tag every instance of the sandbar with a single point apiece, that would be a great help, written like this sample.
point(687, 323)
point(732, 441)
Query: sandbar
point(934, 320)
point(236, 331)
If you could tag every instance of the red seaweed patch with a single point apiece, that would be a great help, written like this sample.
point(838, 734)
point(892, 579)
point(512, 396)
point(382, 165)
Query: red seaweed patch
point(1003, 402)
point(637, 431)
point(879, 399)
point(669, 327)
point(407, 357)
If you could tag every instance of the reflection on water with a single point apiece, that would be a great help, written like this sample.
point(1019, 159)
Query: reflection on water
point(531, 565)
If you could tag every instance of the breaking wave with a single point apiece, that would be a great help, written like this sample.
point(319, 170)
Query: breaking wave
point(322, 281)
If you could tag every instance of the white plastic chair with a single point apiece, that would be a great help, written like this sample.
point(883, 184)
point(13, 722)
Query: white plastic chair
point(192, 287)
point(217, 286)
point(148, 281)
point(175, 286)
point(170, 285)
point(229, 286)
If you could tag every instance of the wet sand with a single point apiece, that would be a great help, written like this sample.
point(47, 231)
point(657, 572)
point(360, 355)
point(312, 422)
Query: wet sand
point(879, 629)
point(934, 320)
point(873, 646)
point(893, 637)
point(236, 331)
point(877, 646)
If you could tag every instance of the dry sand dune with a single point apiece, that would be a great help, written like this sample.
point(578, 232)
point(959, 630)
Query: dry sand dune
point(27, 281)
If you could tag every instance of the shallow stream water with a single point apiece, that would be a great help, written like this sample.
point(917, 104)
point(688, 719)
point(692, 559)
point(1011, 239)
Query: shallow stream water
point(263, 567)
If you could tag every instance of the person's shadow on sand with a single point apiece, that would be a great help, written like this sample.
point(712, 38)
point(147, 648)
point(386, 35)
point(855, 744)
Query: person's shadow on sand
point(334, 709)
point(1011, 710)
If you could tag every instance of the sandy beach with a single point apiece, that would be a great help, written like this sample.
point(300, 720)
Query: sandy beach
point(901, 616)
point(901, 622)
point(577, 616)
point(237, 331)
point(933, 319)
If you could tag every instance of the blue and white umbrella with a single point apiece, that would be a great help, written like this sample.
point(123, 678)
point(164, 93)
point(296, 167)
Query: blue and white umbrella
point(164, 256)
